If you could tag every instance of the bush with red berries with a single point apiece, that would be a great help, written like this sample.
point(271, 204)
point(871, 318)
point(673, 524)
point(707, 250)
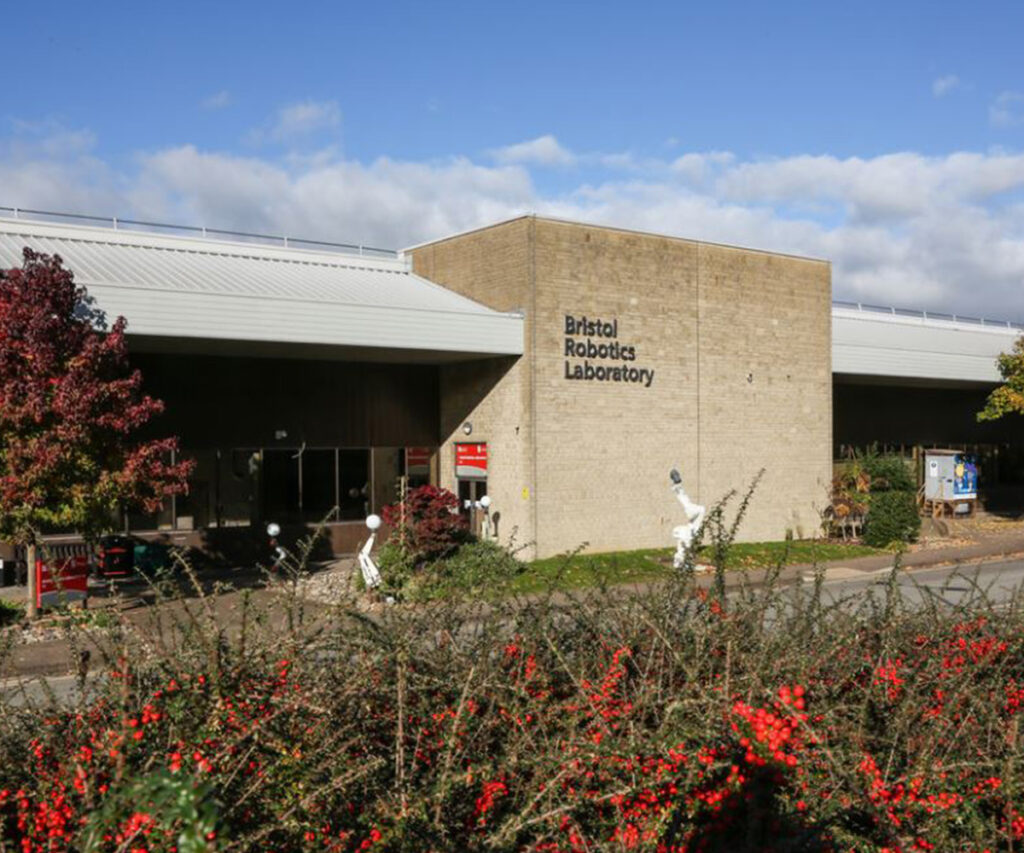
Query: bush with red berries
point(676, 719)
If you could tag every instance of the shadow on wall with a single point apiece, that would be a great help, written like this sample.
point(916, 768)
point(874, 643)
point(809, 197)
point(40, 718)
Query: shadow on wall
point(464, 386)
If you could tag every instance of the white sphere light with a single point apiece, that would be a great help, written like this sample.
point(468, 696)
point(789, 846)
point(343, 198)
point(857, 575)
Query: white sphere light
point(485, 501)
point(373, 521)
point(273, 530)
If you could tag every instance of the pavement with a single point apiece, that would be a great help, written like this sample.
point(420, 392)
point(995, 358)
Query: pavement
point(933, 555)
point(226, 593)
point(1002, 554)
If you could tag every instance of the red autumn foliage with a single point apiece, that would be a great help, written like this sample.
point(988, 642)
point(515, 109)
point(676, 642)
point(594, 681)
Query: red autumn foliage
point(427, 522)
point(70, 406)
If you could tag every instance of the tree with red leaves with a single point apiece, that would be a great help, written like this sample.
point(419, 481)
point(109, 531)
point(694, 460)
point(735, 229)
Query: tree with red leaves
point(426, 522)
point(70, 407)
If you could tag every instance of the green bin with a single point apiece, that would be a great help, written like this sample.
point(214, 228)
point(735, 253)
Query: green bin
point(152, 558)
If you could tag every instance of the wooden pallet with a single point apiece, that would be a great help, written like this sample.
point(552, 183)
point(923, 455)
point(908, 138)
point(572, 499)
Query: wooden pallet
point(943, 508)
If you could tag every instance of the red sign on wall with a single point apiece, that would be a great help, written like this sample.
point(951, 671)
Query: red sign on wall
point(417, 461)
point(66, 580)
point(471, 461)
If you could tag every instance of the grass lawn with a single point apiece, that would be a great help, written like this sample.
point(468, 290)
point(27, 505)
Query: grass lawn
point(565, 572)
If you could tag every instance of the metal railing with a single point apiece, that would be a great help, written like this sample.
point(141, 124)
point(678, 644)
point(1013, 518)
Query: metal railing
point(117, 223)
point(891, 311)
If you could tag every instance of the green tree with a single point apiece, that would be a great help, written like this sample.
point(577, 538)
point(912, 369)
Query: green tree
point(1008, 398)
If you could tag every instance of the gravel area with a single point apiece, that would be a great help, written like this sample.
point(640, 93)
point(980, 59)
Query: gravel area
point(44, 631)
point(334, 584)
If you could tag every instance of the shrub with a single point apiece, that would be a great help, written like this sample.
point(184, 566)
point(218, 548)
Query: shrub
point(427, 524)
point(669, 719)
point(883, 487)
point(397, 566)
point(10, 611)
point(888, 473)
point(475, 566)
point(892, 517)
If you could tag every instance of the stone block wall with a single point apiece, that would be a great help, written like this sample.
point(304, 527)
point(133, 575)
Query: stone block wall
point(715, 360)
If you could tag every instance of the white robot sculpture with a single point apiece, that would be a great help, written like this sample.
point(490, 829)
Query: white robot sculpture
point(484, 505)
point(684, 533)
point(371, 574)
point(488, 530)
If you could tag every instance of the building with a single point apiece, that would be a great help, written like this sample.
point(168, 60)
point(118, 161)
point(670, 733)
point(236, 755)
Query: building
point(295, 375)
point(642, 353)
point(911, 379)
point(561, 368)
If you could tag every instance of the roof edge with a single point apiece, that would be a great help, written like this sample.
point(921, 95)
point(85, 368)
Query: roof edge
point(467, 232)
point(200, 245)
point(949, 323)
point(617, 228)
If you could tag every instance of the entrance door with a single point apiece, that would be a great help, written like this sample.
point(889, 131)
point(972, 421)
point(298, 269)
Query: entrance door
point(280, 485)
point(470, 492)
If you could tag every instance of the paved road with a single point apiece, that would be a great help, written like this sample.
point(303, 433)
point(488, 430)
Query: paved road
point(999, 581)
point(44, 689)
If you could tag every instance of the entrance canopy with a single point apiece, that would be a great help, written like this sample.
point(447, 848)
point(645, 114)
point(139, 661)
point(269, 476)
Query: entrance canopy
point(198, 294)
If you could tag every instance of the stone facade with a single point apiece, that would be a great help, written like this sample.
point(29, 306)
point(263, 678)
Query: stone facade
point(709, 358)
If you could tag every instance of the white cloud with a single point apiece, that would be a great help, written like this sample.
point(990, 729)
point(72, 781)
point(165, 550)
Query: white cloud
point(887, 188)
point(621, 161)
point(542, 151)
point(699, 166)
point(297, 121)
point(50, 138)
point(48, 167)
point(1007, 109)
point(942, 233)
point(386, 203)
point(942, 86)
point(217, 101)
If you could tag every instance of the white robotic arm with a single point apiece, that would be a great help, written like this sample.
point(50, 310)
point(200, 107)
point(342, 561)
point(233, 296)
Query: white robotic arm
point(485, 504)
point(371, 574)
point(684, 533)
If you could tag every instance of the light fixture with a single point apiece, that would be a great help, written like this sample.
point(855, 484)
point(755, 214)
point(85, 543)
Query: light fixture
point(373, 522)
point(467, 428)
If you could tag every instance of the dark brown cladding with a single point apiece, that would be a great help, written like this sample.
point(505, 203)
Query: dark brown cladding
point(219, 401)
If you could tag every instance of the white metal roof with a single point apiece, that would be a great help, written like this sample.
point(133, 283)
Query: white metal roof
point(175, 287)
point(187, 287)
point(887, 342)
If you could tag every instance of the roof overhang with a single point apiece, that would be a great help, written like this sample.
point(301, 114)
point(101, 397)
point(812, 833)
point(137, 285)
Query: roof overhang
point(188, 294)
point(873, 343)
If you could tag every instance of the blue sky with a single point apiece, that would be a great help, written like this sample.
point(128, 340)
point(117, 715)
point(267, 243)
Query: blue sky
point(886, 137)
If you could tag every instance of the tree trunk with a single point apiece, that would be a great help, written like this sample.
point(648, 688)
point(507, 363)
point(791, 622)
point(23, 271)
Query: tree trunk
point(30, 605)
